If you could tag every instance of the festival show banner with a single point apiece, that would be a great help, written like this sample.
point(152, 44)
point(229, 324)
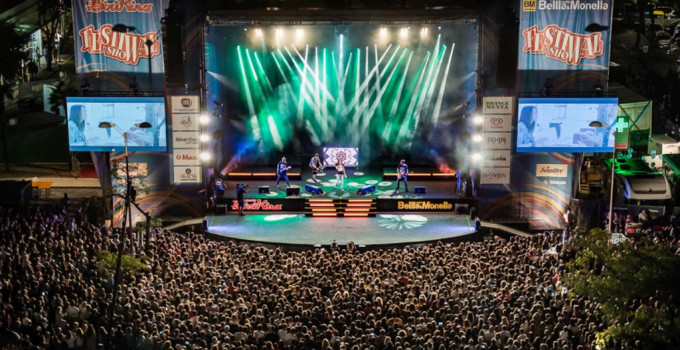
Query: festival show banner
point(118, 36)
point(564, 35)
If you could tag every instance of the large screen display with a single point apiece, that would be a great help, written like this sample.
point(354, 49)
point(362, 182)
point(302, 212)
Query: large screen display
point(86, 113)
point(348, 155)
point(563, 124)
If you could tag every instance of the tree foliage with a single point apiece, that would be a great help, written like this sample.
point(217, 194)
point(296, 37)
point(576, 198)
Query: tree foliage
point(636, 286)
point(129, 266)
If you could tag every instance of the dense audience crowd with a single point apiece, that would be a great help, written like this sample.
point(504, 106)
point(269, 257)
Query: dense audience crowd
point(200, 293)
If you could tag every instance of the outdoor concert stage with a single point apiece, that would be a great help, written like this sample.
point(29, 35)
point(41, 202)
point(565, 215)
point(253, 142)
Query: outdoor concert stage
point(298, 229)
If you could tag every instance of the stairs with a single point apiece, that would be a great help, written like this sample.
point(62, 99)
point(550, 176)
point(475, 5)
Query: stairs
point(352, 207)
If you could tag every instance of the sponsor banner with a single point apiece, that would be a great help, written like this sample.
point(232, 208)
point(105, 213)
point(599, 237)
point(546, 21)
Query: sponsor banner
point(434, 205)
point(495, 176)
point(565, 34)
point(185, 122)
point(497, 105)
point(187, 174)
point(185, 104)
point(552, 170)
point(186, 157)
point(497, 140)
point(118, 35)
point(262, 204)
point(494, 123)
point(185, 139)
point(496, 158)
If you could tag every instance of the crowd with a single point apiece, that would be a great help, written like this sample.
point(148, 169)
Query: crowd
point(201, 293)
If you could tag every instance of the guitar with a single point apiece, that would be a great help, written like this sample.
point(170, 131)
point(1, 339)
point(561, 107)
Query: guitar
point(283, 170)
point(400, 172)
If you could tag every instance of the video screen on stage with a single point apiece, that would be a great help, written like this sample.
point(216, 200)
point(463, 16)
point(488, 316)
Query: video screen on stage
point(123, 115)
point(348, 155)
point(563, 124)
point(391, 91)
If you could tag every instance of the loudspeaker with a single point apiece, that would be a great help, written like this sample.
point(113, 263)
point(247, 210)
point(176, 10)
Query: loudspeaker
point(366, 190)
point(262, 189)
point(172, 46)
point(292, 191)
point(507, 53)
point(313, 189)
point(420, 189)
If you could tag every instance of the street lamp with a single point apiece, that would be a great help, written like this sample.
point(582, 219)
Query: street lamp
point(599, 124)
point(121, 244)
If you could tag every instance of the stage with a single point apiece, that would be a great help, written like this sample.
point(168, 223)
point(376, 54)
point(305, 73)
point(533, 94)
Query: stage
point(297, 229)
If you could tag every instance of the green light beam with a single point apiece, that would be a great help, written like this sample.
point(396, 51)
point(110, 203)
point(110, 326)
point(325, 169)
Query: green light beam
point(440, 97)
point(278, 143)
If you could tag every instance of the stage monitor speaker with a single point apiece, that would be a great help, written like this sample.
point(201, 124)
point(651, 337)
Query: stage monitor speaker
point(262, 189)
point(420, 189)
point(313, 189)
point(366, 190)
point(292, 191)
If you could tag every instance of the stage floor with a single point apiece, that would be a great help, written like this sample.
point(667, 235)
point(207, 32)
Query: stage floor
point(440, 189)
point(384, 229)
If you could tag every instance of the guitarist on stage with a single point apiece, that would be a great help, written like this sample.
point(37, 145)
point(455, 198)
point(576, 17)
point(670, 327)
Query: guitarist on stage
point(316, 166)
point(402, 175)
point(282, 172)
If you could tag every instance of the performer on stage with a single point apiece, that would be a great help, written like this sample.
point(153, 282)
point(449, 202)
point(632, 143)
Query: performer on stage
point(402, 175)
point(282, 172)
point(341, 175)
point(316, 165)
point(240, 191)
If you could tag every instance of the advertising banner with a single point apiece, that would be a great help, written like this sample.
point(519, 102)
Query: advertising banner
point(495, 176)
point(118, 36)
point(185, 122)
point(187, 174)
point(264, 205)
point(497, 140)
point(493, 123)
point(494, 158)
point(565, 34)
point(497, 105)
point(435, 205)
point(185, 104)
point(185, 139)
point(186, 157)
point(552, 170)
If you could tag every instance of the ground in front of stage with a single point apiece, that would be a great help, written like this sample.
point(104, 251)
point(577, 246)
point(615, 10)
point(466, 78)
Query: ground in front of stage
point(385, 229)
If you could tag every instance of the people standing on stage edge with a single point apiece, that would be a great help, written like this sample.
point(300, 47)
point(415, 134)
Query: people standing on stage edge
point(282, 172)
point(240, 191)
point(315, 165)
point(402, 175)
point(341, 175)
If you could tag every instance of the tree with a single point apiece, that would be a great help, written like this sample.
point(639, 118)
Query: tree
point(634, 285)
point(49, 14)
point(12, 48)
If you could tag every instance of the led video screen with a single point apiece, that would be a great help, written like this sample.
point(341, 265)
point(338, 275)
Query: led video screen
point(563, 124)
point(349, 156)
point(85, 114)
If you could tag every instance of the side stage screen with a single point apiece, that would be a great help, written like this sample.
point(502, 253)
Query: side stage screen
point(349, 156)
point(562, 124)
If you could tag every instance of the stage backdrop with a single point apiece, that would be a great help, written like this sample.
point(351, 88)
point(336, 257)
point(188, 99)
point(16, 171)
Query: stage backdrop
point(391, 91)
point(111, 39)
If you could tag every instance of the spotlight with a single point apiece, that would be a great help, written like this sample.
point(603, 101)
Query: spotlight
point(477, 119)
point(299, 33)
point(424, 31)
point(205, 156)
point(204, 119)
point(258, 32)
point(279, 32)
point(403, 32)
point(476, 157)
point(204, 137)
point(383, 31)
point(477, 138)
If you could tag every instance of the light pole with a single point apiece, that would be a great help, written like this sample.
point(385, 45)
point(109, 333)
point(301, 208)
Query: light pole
point(598, 124)
point(126, 211)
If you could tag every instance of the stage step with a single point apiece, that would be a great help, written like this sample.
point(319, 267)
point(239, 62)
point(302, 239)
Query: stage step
point(350, 207)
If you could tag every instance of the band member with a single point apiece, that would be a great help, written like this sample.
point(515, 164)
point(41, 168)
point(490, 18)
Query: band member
point(316, 165)
point(341, 175)
point(402, 175)
point(240, 191)
point(282, 172)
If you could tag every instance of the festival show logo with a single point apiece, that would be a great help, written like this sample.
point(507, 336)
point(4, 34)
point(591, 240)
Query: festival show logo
point(97, 6)
point(124, 47)
point(561, 44)
point(257, 204)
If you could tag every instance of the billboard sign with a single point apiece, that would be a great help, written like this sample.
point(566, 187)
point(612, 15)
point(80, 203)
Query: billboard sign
point(497, 140)
point(494, 123)
point(118, 36)
point(495, 176)
point(565, 34)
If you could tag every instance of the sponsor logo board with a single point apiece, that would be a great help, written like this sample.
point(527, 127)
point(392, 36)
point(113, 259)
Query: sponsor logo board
point(495, 176)
point(185, 157)
point(187, 174)
point(185, 139)
point(497, 140)
point(185, 104)
point(552, 170)
point(497, 158)
point(497, 105)
point(185, 122)
point(494, 123)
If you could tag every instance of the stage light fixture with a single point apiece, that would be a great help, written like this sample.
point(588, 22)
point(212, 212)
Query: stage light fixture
point(204, 119)
point(477, 138)
point(403, 32)
point(204, 137)
point(205, 156)
point(279, 33)
point(476, 157)
point(383, 31)
point(258, 32)
point(424, 31)
point(477, 119)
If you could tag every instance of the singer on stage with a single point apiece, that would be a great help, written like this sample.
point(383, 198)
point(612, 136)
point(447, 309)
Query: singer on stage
point(402, 175)
point(316, 165)
point(282, 172)
point(341, 175)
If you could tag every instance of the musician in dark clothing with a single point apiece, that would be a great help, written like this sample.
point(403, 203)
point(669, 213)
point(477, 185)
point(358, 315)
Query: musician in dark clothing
point(240, 191)
point(316, 165)
point(282, 172)
point(402, 175)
